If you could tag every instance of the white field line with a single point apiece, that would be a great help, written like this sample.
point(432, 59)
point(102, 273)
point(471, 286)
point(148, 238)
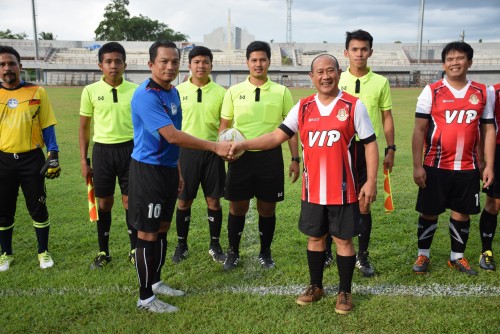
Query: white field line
point(433, 290)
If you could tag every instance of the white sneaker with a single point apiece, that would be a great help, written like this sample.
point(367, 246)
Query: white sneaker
point(156, 306)
point(5, 261)
point(161, 288)
point(45, 260)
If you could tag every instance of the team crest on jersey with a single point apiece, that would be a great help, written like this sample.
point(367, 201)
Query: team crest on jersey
point(173, 107)
point(473, 99)
point(342, 115)
point(12, 103)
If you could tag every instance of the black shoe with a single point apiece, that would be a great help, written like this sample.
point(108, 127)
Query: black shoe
point(100, 261)
point(180, 253)
point(462, 265)
point(266, 260)
point(363, 264)
point(328, 259)
point(217, 254)
point(486, 261)
point(421, 265)
point(232, 260)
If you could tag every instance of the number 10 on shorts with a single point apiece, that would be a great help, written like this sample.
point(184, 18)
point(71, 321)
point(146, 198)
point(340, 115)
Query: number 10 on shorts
point(154, 210)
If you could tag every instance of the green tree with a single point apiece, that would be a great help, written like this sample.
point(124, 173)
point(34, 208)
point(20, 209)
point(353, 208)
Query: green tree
point(142, 28)
point(119, 26)
point(46, 36)
point(7, 34)
point(114, 25)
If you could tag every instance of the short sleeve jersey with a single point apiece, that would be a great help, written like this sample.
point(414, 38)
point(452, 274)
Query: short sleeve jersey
point(374, 91)
point(256, 110)
point(452, 135)
point(153, 108)
point(24, 111)
point(494, 95)
point(327, 135)
point(111, 110)
point(201, 107)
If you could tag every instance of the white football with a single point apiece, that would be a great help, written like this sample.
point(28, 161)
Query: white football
point(232, 134)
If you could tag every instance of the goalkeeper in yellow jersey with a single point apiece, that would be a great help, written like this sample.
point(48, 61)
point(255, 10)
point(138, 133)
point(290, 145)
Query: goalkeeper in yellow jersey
point(26, 126)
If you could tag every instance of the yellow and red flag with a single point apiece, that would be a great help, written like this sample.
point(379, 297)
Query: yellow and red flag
point(388, 204)
point(93, 214)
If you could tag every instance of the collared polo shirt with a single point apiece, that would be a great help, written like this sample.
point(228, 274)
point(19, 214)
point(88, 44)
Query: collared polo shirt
point(111, 110)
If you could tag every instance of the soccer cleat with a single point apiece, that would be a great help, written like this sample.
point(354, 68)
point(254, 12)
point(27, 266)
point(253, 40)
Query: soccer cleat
point(328, 260)
point(363, 264)
point(216, 253)
point(486, 261)
point(462, 265)
point(232, 259)
point(100, 261)
point(5, 261)
point(131, 256)
point(266, 260)
point(310, 295)
point(344, 303)
point(157, 306)
point(45, 260)
point(420, 266)
point(180, 253)
point(161, 288)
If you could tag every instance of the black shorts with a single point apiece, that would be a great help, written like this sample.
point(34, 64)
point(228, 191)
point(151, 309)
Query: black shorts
point(494, 189)
point(361, 164)
point(110, 161)
point(152, 196)
point(341, 221)
point(449, 189)
point(256, 174)
point(201, 167)
point(22, 169)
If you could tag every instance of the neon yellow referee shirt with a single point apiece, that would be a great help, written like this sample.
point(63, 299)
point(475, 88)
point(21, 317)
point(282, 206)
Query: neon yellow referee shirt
point(201, 107)
point(256, 110)
point(111, 111)
point(374, 92)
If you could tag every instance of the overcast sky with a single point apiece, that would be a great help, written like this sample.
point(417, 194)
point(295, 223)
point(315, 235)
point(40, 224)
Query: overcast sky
point(312, 20)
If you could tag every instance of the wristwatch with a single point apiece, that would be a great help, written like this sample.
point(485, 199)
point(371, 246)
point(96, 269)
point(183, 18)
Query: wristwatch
point(390, 147)
point(297, 158)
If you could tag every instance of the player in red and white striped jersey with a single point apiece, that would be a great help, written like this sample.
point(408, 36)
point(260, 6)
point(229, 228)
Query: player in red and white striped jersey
point(328, 122)
point(448, 117)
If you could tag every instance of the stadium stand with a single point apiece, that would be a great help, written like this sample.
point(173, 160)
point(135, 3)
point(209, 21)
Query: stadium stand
point(74, 62)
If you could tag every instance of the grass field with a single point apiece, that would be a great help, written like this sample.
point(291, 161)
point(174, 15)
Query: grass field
point(70, 298)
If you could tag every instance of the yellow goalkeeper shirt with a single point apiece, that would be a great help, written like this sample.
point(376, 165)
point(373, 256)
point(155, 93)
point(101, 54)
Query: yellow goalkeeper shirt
point(24, 112)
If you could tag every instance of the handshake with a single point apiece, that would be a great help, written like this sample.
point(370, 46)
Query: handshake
point(229, 150)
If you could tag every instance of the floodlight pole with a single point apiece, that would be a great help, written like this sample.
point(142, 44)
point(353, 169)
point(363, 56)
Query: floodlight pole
point(289, 21)
point(35, 38)
point(421, 28)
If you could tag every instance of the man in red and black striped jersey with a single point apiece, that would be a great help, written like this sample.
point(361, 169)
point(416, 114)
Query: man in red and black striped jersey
point(488, 220)
point(328, 123)
point(449, 116)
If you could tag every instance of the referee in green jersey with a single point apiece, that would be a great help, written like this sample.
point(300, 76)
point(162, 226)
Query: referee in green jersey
point(108, 102)
point(255, 107)
point(201, 101)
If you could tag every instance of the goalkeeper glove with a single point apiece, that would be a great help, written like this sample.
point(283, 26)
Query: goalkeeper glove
point(51, 168)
